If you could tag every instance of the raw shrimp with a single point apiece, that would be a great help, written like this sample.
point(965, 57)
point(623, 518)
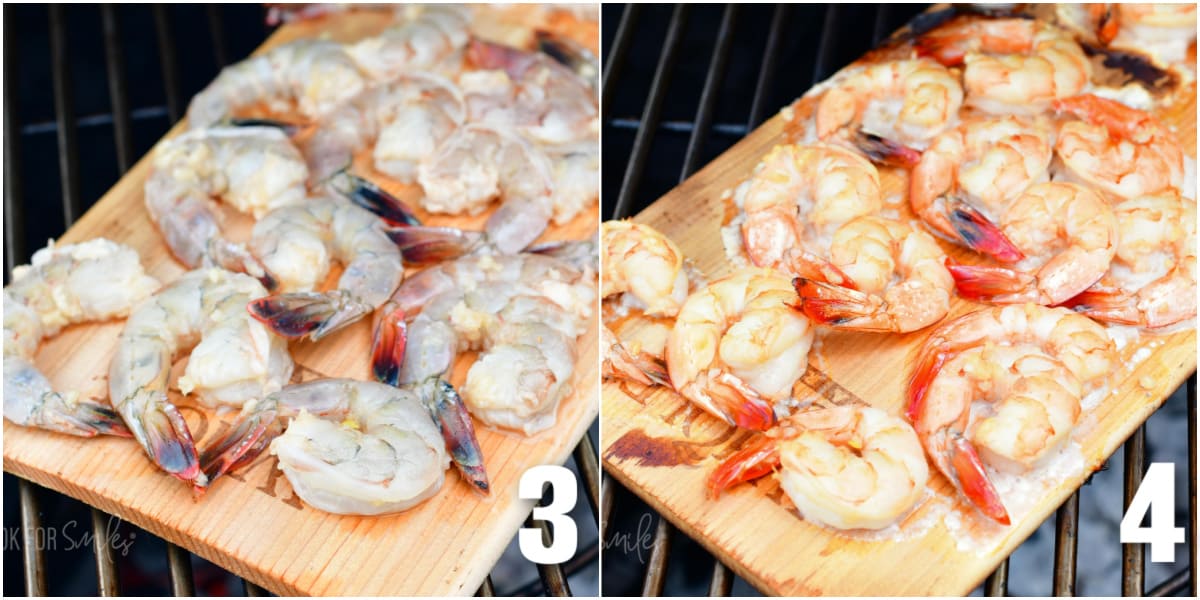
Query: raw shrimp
point(405, 119)
point(1152, 282)
point(1068, 233)
point(1120, 150)
point(95, 280)
point(1012, 66)
point(968, 176)
point(429, 38)
point(737, 348)
point(297, 243)
point(889, 109)
point(253, 169)
point(796, 198)
point(233, 358)
point(314, 75)
point(936, 401)
point(523, 312)
point(350, 447)
point(644, 266)
point(531, 92)
point(847, 467)
point(898, 280)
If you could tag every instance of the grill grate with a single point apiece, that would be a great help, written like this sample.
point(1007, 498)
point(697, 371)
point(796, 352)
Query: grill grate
point(64, 25)
point(656, 140)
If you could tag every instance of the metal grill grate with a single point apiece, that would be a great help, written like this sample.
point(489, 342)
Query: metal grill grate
point(695, 48)
point(137, 112)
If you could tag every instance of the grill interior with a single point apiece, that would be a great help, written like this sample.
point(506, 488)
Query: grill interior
point(88, 91)
point(681, 84)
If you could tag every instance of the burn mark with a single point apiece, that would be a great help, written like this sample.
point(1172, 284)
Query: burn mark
point(652, 451)
point(829, 389)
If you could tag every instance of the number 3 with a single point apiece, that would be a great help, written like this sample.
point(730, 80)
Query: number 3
point(1156, 495)
point(566, 537)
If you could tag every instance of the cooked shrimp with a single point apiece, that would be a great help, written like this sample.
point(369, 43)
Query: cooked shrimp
point(1117, 149)
point(312, 75)
point(847, 467)
point(1068, 233)
point(253, 169)
point(1152, 282)
point(898, 280)
point(796, 199)
point(737, 348)
point(1012, 66)
point(95, 280)
point(968, 176)
point(350, 447)
point(886, 110)
point(429, 38)
point(644, 266)
point(297, 243)
point(936, 402)
point(523, 312)
point(1163, 31)
point(531, 92)
point(233, 359)
point(405, 119)
point(620, 360)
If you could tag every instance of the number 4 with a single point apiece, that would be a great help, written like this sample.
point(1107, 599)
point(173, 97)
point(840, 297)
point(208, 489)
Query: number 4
point(566, 537)
point(1156, 495)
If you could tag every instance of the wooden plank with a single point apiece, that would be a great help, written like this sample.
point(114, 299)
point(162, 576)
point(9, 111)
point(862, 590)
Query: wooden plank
point(663, 448)
point(251, 523)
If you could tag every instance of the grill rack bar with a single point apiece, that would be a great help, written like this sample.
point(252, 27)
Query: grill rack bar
point(1067, 516)
point(552, 577)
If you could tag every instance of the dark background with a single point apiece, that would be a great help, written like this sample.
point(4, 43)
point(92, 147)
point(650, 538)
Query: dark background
point(201, 39)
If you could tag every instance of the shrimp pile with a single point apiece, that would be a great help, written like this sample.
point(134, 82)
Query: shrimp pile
point(96, 280)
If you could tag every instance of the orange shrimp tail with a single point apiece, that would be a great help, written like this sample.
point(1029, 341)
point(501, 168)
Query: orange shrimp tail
point(758, 458)
point(928, 365)
point(886, 152)
point(1110, 306)
point(831, 304)
point(973, 481)
point(986, 283)
point(740, 404)
point(942, 47)
point(388, 344)
point(1120, 120)
point(810, 266)
point(978, 233)
point(1107, 23)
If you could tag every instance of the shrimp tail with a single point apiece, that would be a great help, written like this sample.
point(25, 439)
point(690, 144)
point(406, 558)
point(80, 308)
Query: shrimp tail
point(255, 429)
point(979, 233)
point(288, 129)
point(886, 152)
point(388, 344)
point(83, 418)
point(1110, 306)
point(448, 411)
point(641, 367)
point(757, 459)
point(582, 254)
point(373, 198)
point(236, 258)
point(569, 54)
point(1107, 25)
point(428, 245)
point(973, 480)
point(736, 402)
point(308, 314)
point(986, 283)
point(927, 367)
point(169, 443)
point(838, 305)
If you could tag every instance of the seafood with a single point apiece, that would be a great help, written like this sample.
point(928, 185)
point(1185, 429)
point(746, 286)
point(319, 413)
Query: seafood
point(847, 467)
point(233, 358)
point(898, 280)
point(1164, 31)
point(405, 119)
point(796, 199)
point(297, 243)
point(428, 38)
point(968, 176)
point(644, 266)
point(253, 169)
point(886, 110)
point(1010, 66)
point(1119, 150)
point(91, 281)
point(350, 447)
point(620, 360)
point(530, 92)
point(1152, 282)
point(961, 359)
point(1069, 234)
point(737, 348)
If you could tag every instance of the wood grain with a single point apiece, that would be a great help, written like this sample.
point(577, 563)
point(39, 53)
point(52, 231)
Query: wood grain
point(662, 448)
point(252, 523)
